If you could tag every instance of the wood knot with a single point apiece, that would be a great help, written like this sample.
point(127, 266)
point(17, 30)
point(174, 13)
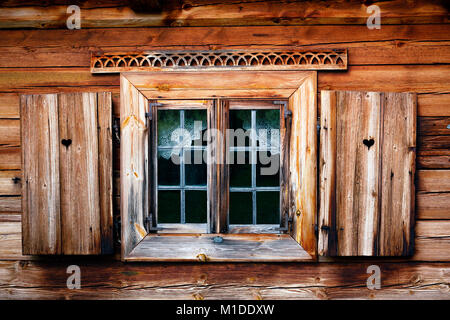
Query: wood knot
point(202, 257)
point(198, 296)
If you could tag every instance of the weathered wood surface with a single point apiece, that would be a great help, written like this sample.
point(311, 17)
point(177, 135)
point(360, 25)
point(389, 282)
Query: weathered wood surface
point(397, 190)
point(79, 176)
point(213, 13)
point(368, 200)
point(133, 163)
point(9, 186)
point(233, 248)
point(41, 220)
point(105, 159)
point(303, 164)
point(254, 281)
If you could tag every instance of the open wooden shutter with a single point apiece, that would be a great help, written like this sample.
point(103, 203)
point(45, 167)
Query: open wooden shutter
point(67, 166)
point(134, 164)
point(303, 164)
point(367, 165)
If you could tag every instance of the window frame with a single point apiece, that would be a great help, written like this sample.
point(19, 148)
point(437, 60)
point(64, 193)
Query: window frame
point(138, 88)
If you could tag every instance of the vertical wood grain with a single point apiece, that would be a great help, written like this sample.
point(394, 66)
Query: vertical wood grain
point(80, 202)
point(303, 163)
point(372, 163)
point(397, 174)
point(327, 171)
point(133, 164)
point(218, 182)
point(105, 158)
point(41, 227)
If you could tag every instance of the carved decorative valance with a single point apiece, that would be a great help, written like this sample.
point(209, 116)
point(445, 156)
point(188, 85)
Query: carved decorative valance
point(219, 60)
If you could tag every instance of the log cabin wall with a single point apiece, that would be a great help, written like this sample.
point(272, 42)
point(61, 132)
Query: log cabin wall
point(410, 52)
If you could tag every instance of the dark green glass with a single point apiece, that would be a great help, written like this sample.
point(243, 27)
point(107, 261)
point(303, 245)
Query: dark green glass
point(267, 174)
point(241, 208)
point(268, 207)
point(195, 173)
point(195, 206)
point(240, 173)
point(168, 171)
point(195, 122)
point(168, 121)
point(169, 206)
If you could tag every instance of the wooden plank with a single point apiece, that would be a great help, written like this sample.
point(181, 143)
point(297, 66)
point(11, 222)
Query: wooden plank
point(223, 13)
point(440, 144)
point(41, 181)
point(217, 37)
point(9, 132)
point(433, 180)
point(432, 241)
point(79, 174)
point(426, 79)
point(9, 106)
point(433, 162)
point(10, 158)
point(11, 243)
point(105, 159)
point(233, 248)
point(8, 187)
point(399, 280)
point(359, 53)
point(433, 126)
point(357, 201)
point(397, 174)
point(303, 163)
point(327, 242)
point(10, 217)
point(133, 164)
point(433, 105)
point(433, 205)
point(10, 204)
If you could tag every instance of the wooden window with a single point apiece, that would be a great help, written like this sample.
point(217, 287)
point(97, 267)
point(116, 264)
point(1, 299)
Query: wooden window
point(67, 167)
point(367, 156)
point(145, 102)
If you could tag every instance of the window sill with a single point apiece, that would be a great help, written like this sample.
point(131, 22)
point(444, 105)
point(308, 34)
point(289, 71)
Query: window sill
point(233, 248)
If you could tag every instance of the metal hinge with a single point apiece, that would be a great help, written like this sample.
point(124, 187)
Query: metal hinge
point(287, 221)
point(149, 114)
point(149, 223)
point(287, 112)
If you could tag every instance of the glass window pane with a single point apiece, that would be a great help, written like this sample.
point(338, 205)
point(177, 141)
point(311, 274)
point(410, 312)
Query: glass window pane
point(169, 206)
point(267, 169)
point(240, 169)
point(241, 208)
point(195, 122)
point(268, 129)
point(195, 206)
point(240, 122)
point(168, 121)
point(268, 207)
point(195, 168)
point(168, 171)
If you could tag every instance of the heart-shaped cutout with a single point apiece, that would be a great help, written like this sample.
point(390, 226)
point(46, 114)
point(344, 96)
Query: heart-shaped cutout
point(368, 143)
point(66, 142)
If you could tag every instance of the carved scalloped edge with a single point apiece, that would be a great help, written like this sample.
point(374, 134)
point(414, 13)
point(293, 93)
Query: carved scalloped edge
point(220, 60)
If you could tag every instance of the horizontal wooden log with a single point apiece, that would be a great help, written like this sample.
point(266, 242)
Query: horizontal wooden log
point(359, 53)
point(9, 132)
point(9, 106)
point(433, 162)
point(440, 145)
point(433, 205)
point(209, 13)
point(433, 126)
point(9, 186)
point(10, 204)
point(115, 280)
point(215, 37)
point(10, 158)
point(433, 105)
point(433, 180)
point(432, 78)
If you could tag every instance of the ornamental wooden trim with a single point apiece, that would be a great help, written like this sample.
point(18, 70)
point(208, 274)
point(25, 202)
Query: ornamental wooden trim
point(219, 60)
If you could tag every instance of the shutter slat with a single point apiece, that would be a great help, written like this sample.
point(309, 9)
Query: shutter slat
point(41, 227)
